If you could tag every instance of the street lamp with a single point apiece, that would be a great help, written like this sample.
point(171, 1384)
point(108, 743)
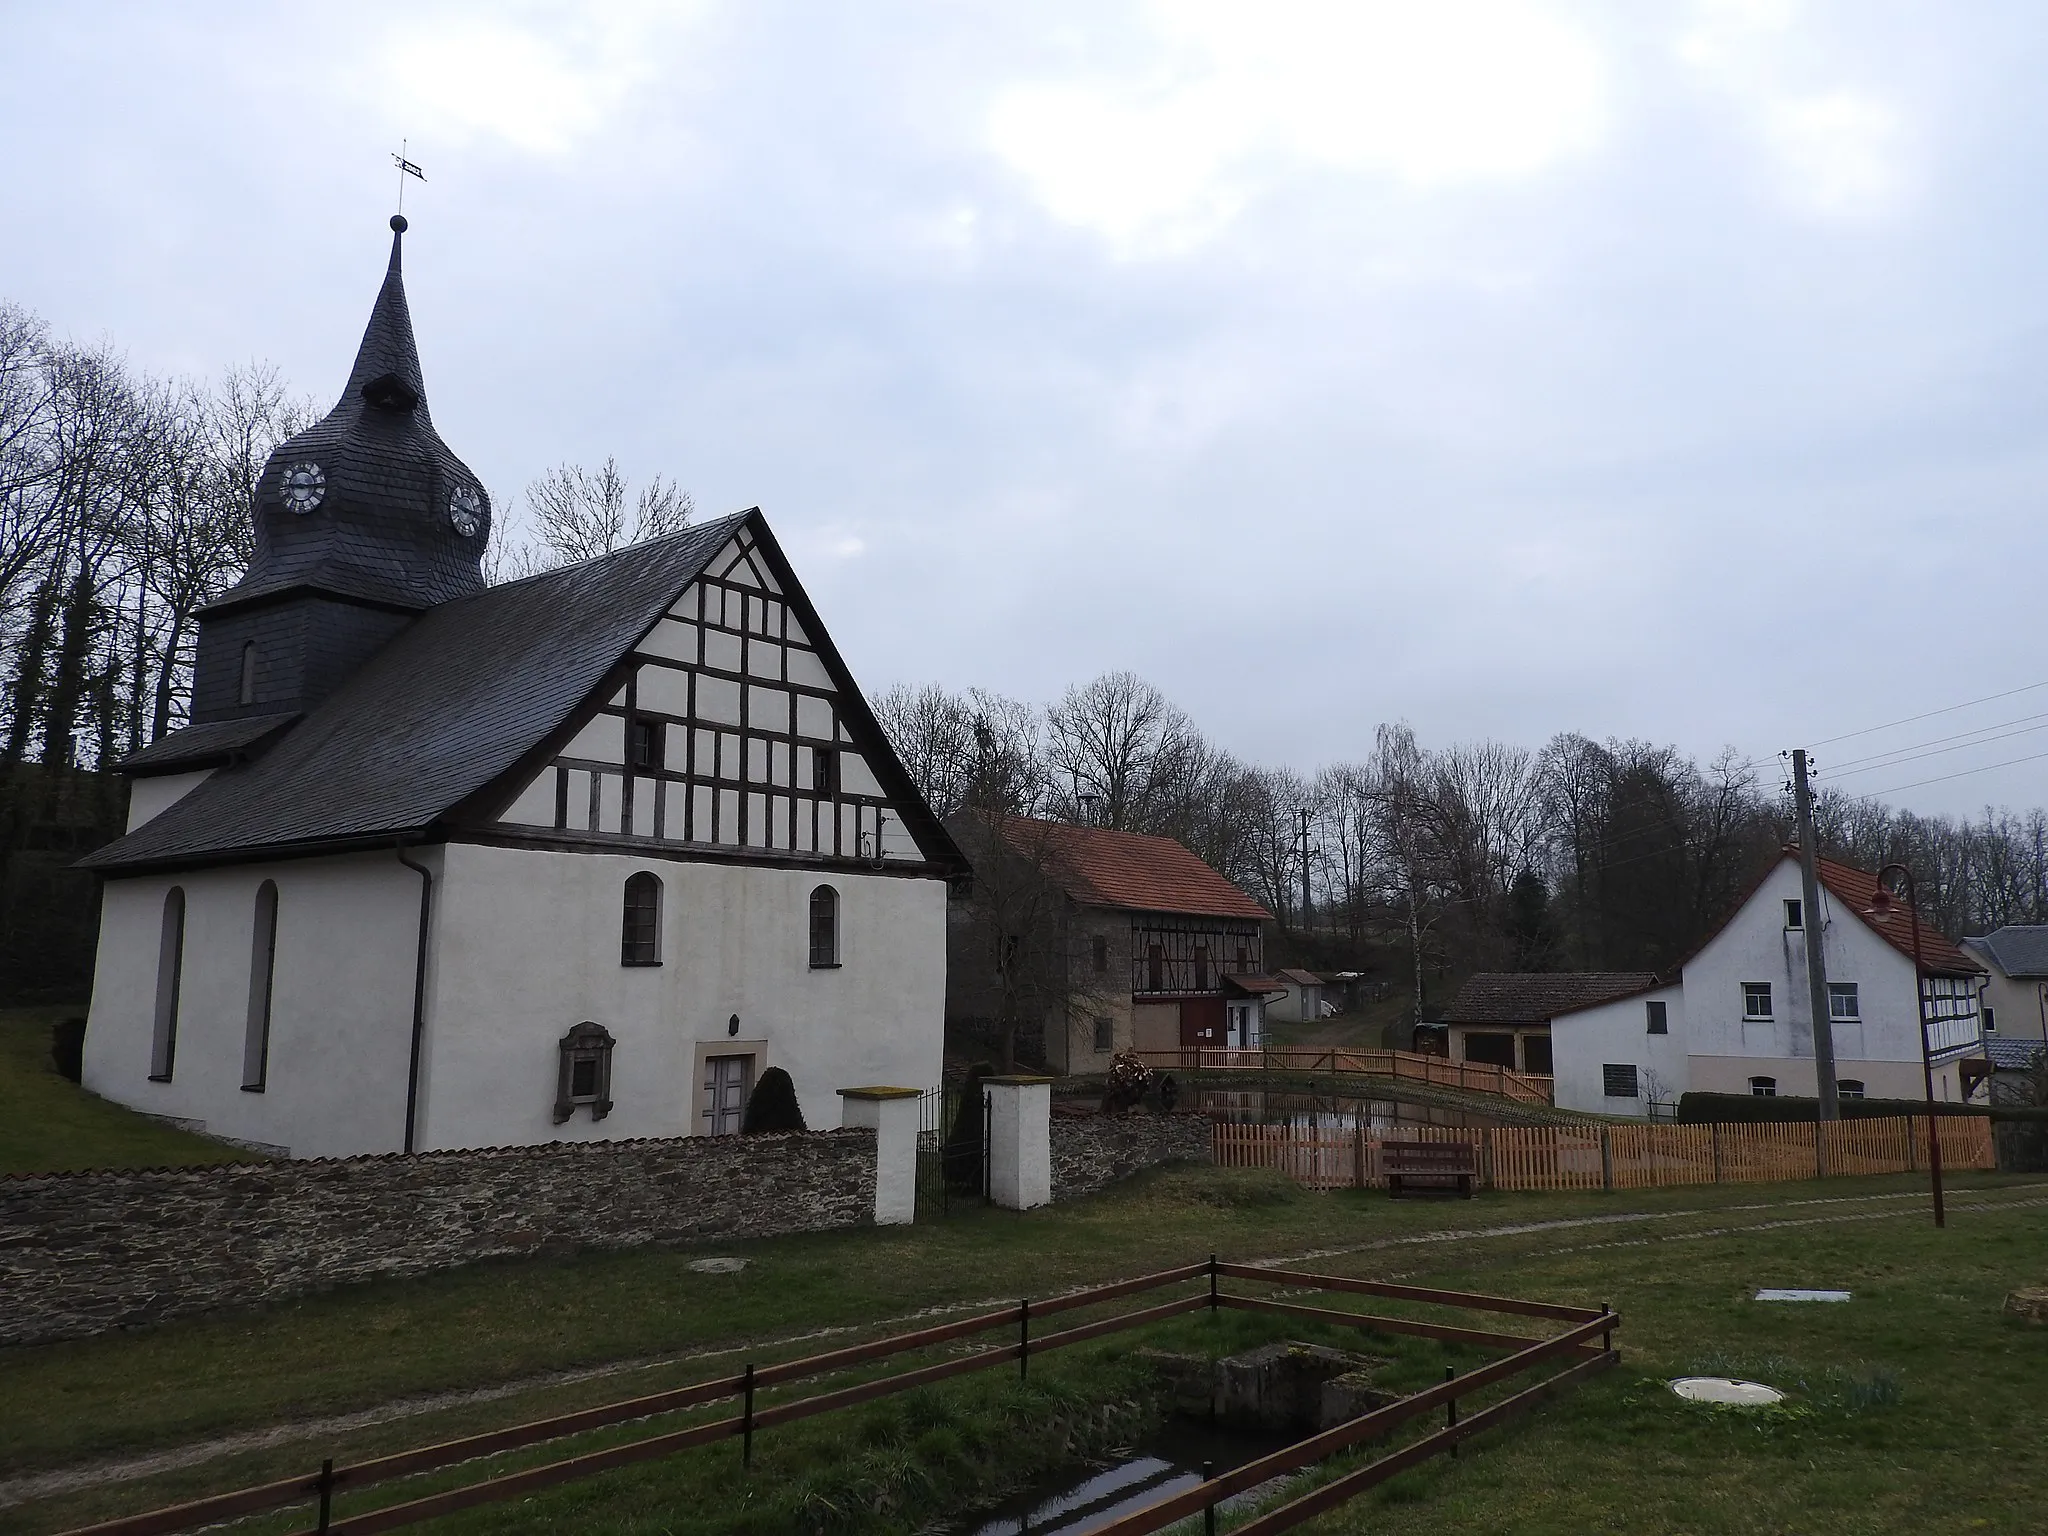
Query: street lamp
point(1880, 907)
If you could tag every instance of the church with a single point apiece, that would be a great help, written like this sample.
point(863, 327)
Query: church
point(436, 864)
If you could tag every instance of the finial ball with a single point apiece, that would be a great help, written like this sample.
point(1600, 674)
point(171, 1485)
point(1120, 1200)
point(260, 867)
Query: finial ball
point(398, 223)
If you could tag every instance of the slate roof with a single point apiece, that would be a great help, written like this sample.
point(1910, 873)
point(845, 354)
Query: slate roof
point(448, 706)
point(1536, 997)
point(2012, 1055)
point(1129, 871)
point(381, 531)
point(2018, 949)
point(1854, 888)
point(202, 746)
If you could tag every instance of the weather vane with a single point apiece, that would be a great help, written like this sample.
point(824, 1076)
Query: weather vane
point(405, 168)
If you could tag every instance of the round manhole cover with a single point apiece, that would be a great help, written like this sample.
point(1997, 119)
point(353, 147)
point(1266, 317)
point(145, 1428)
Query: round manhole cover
point(1726, 1391)
point(718, 1266)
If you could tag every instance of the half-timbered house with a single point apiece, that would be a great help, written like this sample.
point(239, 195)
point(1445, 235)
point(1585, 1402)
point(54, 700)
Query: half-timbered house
point(439, 865)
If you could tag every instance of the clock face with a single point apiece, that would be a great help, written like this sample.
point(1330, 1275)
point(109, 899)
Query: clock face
point(465, 510)
point(304, 485)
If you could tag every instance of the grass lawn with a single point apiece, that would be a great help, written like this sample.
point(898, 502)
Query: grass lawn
point(1915, 1407)
point(50, 1125)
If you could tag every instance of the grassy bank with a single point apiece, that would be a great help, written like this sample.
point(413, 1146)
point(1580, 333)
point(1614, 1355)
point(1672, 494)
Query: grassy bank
point(1621, 1455)
point(49, 1124)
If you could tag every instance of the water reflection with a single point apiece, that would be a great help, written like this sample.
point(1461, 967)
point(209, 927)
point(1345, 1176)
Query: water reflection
point(1073, 1504)
point(1327, 1112)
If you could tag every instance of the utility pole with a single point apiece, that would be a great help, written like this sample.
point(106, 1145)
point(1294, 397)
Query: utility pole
point(1303, 814)
point(1816, 960)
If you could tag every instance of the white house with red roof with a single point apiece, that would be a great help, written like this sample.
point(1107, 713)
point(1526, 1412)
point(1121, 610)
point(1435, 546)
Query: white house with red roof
point(1735, 1017)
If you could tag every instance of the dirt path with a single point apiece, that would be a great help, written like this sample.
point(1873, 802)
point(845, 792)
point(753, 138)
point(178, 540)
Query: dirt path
point(127, 1468)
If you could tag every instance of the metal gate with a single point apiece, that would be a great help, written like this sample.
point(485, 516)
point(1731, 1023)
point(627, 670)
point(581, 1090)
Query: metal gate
point(952, 1158)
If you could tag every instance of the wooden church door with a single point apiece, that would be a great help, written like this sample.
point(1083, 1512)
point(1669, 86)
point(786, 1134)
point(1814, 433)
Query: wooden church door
point(727, 1082)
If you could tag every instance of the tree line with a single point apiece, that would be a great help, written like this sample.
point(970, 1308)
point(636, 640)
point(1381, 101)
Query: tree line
point(1579, 855)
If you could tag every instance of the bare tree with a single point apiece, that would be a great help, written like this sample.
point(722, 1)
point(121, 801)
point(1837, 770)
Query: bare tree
point(579, 514)
point(1119, 740)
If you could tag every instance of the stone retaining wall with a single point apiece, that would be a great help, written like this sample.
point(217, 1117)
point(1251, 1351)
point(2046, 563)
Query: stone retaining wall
point(81, 1253)
point(1094, 1151)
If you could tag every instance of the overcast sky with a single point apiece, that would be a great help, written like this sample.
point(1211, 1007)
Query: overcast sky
point(1658, 370)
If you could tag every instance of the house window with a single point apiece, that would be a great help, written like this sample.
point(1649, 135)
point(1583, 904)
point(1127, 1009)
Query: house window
point(585, 1076)
point(1492, 1050)
point(824, 771)
point(1105, 1034)
point(1763, 1087)
point(1990, 1020)
point(262, 975)
point(1849, 1088)
point(1101, 953)
point(1795, 914)
point(1658, 1017)
point(170, 966)
point(247, 693)
point(1618, 1081)
point(640, 937)
point(1155, 968)
point(1244, 960)
point(1201, 967)
point(1756, 999)
point(647, 746)
point(824, 928)
point(1842, 1001)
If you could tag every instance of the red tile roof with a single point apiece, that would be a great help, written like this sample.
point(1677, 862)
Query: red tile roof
point(1854, 888)
point(1129, 871)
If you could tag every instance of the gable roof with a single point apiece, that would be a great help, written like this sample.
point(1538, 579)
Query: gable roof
point(1536, 997)
point(1129, 871)
point(2017, 949)
point(1299, 977)
point(1854, 889)
point(2009, 1055)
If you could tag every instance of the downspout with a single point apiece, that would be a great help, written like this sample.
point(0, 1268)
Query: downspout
point(419, 994)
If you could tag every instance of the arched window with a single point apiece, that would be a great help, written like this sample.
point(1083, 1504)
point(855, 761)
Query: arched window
point(1763, 1087)
point(248, 690)
point(1849, 1088)
point(640, 943)
point(262, 975)
point(170, 965)
point(824, 928)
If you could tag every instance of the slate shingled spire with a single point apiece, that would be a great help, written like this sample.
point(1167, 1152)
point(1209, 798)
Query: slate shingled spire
point(360, 521)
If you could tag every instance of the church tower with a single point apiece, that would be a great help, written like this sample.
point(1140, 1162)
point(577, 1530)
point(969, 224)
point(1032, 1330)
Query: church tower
point(362, 521)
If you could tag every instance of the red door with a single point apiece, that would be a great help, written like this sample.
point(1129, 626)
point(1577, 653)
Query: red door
point(1203, 1025)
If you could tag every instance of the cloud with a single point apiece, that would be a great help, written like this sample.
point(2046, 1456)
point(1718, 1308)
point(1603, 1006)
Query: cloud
point(1231, 99)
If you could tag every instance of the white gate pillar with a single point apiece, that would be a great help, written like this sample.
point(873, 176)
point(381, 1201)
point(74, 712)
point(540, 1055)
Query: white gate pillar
point(1019, 1141)
point(891, 1113)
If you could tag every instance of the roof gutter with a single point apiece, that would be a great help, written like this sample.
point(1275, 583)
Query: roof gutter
point(419, 995)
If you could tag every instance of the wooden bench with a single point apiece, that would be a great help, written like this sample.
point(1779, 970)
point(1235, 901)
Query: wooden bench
point(1435, 1164)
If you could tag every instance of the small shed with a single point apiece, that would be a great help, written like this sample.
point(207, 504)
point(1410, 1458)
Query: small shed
point(1302, 1002)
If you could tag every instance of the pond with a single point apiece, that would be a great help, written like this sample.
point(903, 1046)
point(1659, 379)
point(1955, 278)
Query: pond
point(1086, 1499)
point(1310, 1112)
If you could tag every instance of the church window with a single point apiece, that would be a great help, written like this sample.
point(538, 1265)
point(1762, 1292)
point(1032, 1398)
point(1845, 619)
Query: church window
point(584, 1080)
point(262, 978)
point(640, 943)
point(247, 695)
point(170, 965)
point(646, 746)
point(824, 928)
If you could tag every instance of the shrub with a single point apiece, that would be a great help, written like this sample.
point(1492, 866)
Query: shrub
point(772, 1106)
point(67, 1048)
point(1744, 1108)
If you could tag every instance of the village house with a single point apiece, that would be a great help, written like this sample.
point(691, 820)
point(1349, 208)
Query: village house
point(1161, 952)
point(1502, 1019)
point(1734, 1017)
point(1301, 1001)
point(440, 865)
point(2015, 962)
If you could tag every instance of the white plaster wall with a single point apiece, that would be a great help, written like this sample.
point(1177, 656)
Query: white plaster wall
point(341, 1005)
point(1583, 1042)
point(1755, 946)
point(526, 944)
point(151, 797)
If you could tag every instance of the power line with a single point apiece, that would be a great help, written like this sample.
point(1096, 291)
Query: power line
point(1950, 709)
point(1962, 774)
point(1905, 755)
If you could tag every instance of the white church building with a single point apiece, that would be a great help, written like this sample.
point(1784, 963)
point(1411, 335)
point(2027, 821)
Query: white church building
point(440, 865)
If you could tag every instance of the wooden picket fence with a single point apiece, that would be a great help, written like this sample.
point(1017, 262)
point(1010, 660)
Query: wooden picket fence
point(1623, 1156)
point(1402, 1066)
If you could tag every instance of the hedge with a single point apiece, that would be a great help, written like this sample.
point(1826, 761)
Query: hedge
point(1732, 1108)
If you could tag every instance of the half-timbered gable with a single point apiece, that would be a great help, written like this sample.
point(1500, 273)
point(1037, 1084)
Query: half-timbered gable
point(732, 730)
